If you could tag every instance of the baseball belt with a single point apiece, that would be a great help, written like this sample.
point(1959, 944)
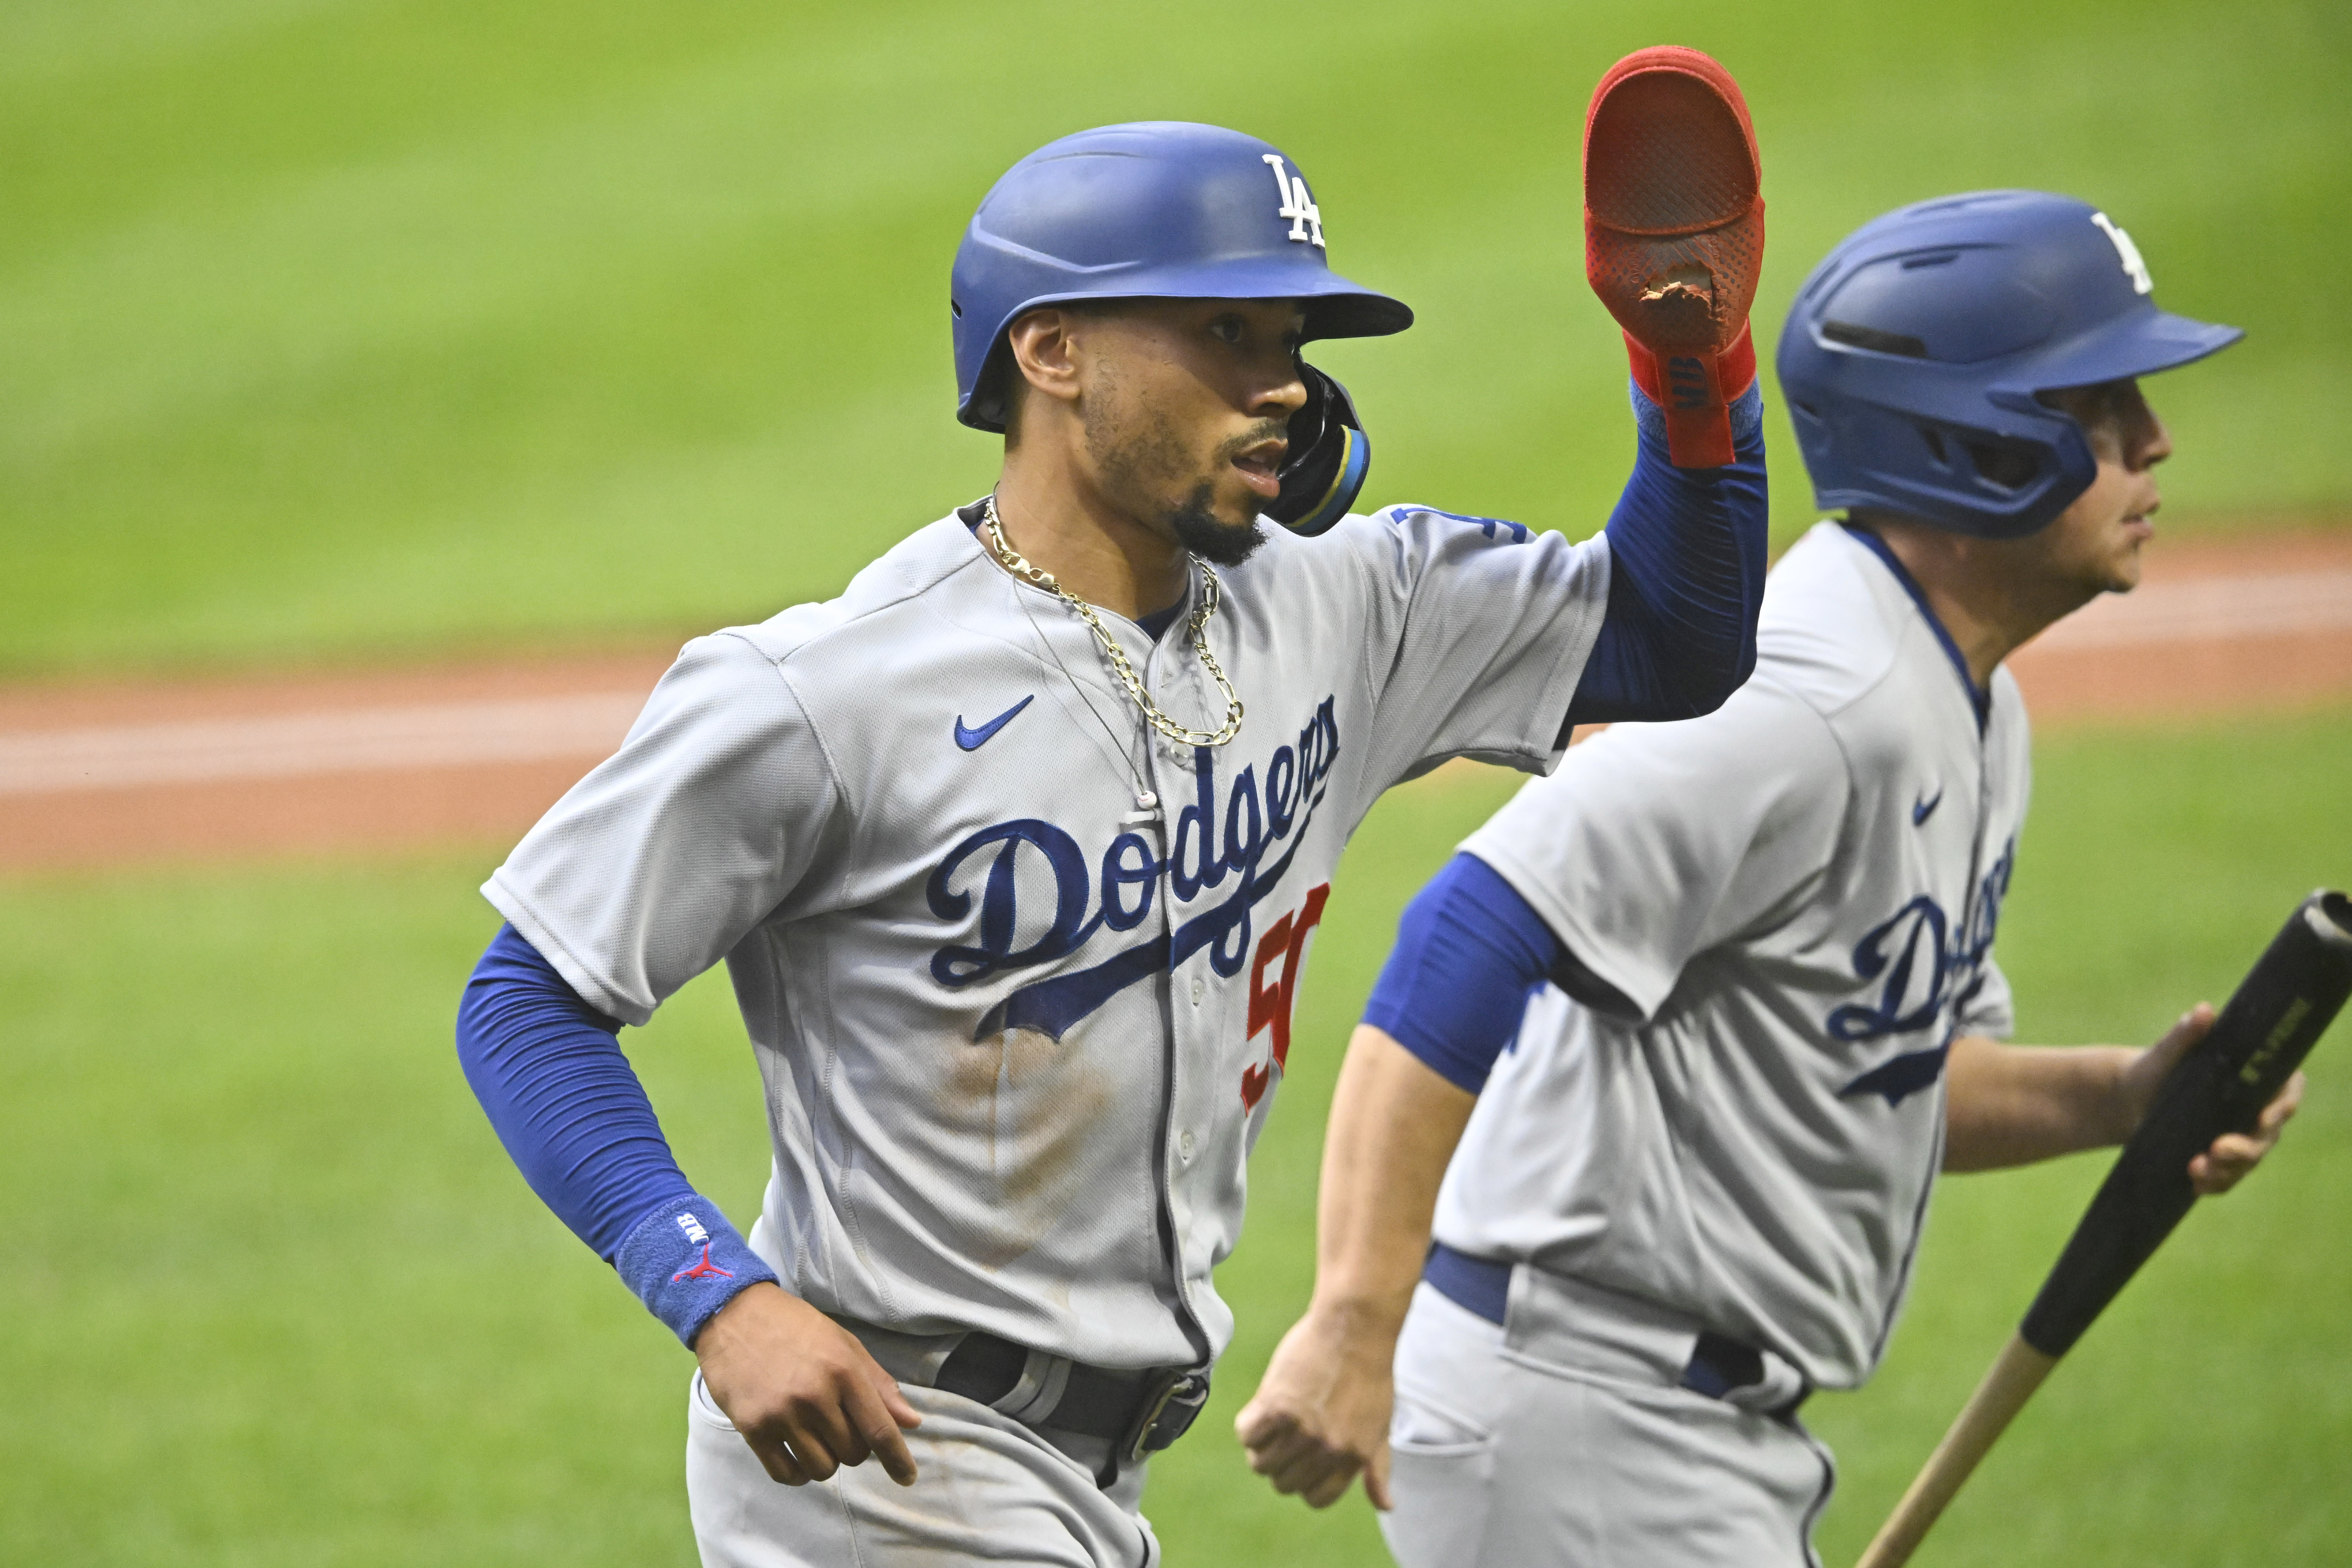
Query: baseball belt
point(1138, 1411)
point(1719, 1366)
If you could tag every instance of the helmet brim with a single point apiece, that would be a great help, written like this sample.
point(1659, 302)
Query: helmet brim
point(2139, 344)
point(1336, 307)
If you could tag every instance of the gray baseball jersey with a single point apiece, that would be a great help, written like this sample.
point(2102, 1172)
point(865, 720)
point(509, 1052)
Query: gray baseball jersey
point(1797, 894)
point(1018, 971)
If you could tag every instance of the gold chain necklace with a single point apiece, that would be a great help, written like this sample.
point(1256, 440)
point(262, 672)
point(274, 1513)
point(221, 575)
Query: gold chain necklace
point(1019, 566)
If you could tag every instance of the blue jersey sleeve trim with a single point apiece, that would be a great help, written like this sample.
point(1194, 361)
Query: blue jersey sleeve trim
point(1468, 951)
point(1686, 578)
point(551, 1077)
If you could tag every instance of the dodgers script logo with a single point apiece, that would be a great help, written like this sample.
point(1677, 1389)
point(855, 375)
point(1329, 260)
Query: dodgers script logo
point(1920, 966)
point(1248, 841)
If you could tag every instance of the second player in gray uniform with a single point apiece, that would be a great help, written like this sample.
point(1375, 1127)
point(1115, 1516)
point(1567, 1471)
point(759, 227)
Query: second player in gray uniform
point(1767, 1012)
point(1014, 853)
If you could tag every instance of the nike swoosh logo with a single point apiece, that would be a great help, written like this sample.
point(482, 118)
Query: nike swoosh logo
point(973, 739)
point(1920, 810)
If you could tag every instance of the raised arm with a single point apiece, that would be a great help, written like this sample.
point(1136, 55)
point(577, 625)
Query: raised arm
point(1674, 243)
point(1686, 578)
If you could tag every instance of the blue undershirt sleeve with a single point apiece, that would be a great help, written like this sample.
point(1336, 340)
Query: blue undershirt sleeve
point(1686, 578)
point(551, 1075)
point(1468, 951)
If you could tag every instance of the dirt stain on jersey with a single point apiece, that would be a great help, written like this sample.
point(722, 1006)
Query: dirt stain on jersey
point(1036, 1107)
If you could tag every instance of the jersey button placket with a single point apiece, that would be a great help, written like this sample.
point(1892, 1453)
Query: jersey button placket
point(1169, 778)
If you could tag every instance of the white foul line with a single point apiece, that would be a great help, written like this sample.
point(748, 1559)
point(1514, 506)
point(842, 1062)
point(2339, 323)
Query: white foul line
point(290, 745)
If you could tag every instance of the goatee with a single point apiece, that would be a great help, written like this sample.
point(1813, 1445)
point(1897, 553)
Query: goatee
point(1225, 544)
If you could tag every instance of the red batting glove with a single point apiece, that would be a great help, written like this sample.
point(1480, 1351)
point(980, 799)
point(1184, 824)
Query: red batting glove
point(1674, 237)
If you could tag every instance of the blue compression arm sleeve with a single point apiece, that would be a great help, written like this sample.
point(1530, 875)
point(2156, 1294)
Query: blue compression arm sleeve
point(1686, 578)
point(1468, 951)
point(550, 1074)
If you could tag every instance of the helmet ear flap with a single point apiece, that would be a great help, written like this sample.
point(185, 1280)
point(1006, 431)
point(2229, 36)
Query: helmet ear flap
point(988, 409)
point(1328, 459)
point(1999, 477)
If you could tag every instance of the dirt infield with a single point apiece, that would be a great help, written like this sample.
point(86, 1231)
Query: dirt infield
point(100, 773)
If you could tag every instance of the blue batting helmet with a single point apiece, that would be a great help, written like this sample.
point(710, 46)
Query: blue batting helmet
point(1913, 353)
point(1156, 210)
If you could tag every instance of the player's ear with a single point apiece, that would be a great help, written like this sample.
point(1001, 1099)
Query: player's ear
point(1045, 352)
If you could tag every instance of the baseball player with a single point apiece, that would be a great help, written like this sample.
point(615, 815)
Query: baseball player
point(1015, 852)
point(1755, 957)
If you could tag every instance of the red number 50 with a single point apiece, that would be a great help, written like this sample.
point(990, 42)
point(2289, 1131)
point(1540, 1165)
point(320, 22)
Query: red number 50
point(1270, 1003)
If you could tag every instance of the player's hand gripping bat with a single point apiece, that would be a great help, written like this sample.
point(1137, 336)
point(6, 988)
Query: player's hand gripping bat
point(1674, 237)
point(2281, 1009)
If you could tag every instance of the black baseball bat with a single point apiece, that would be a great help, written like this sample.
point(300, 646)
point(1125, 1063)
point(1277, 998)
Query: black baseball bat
point(2274, 1018)
point(2278, 1013)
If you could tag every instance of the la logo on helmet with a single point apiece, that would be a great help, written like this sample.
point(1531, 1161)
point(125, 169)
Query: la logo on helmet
point(1300, 210)
point(2132, 265)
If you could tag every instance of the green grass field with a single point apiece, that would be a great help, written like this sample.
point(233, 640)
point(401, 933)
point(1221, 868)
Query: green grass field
point(334, 328)
point(278, 1299)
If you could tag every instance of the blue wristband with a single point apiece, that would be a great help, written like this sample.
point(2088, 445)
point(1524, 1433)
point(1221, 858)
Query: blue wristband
point(685, 1262)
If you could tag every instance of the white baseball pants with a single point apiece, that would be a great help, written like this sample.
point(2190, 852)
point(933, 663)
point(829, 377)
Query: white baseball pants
point(988, 1489)
point(1554, 1440)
